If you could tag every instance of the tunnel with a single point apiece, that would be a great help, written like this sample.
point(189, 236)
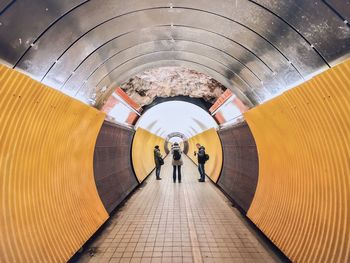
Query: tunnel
point(88, 88)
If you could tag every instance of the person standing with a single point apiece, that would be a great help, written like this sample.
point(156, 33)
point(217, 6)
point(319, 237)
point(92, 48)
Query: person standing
point(177, 161)
point(158, 160)
point(202, 157)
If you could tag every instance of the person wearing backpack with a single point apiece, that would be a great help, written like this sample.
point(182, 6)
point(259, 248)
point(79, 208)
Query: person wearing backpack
point(158, 160)
point(202, 157)
point(177, 161)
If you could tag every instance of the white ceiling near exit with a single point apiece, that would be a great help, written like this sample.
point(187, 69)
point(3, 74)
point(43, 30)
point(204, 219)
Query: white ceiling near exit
point(176, 116)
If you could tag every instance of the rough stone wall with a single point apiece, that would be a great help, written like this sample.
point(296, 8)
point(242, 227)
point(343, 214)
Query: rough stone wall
point(170, 82)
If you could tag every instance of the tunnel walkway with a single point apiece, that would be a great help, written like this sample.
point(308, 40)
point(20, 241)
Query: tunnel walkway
point(167, 222)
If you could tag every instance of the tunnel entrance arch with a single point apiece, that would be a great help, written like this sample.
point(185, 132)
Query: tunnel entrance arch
point(174, 135)
point(174, 121)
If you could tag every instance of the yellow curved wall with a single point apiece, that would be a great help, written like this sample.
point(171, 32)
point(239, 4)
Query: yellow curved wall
point(302, 201)
point(49, 202)
point(142, 152)
point(211, 141)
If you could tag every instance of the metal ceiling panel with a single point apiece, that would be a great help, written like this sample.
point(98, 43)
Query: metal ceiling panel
point(181, 45)
point(157, 34)
point(111, 74)
point(89, 41)
point(24, 21)
point(341, 8)
point(5, 4)
point(279, 43)
point(152, 48)
point(220, 44)
point(317, 23)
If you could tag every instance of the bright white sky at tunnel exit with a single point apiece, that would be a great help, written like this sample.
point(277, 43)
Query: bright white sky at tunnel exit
point(176, 116)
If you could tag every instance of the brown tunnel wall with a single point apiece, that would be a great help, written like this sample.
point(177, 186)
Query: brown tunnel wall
point(113, 172)
point(240, 170)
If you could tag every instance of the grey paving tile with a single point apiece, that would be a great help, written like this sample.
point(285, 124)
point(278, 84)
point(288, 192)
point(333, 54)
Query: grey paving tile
point(167, 222)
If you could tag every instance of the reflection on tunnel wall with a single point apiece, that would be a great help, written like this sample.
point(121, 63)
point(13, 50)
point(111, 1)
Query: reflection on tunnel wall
point(256, 48)
point(46, 174)
point(142, 152)
point(113, 172)
point(211, 141)
point(239, 175)
point(302, 201)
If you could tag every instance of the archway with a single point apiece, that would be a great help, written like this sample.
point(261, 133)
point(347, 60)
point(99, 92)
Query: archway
point(183, 140)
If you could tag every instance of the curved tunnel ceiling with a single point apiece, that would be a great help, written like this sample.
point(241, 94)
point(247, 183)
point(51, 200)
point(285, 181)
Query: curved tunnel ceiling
point(172, 117)
point(256, 48)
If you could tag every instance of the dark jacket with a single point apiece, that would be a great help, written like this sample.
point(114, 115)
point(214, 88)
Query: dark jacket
point(201, 155)
point(157, 155)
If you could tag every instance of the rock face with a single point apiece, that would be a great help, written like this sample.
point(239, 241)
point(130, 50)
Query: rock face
point(170, 82)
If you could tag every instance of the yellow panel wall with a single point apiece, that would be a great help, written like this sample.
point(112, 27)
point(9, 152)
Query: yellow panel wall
point(49, 202)
point(211, 141)
point(142, 152)
point(302, 201)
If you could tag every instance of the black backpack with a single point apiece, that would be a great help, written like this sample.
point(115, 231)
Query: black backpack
point(176, 155)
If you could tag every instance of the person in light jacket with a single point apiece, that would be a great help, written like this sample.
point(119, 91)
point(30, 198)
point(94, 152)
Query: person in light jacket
point(177, 161)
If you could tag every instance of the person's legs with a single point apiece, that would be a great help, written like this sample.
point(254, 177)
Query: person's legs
point(157, 172)
point(174, 173)
point(179, 173)
point(200, 171)
point(203, 172)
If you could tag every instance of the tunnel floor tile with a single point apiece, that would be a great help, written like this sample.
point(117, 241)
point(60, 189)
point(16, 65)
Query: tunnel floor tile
point(177, 222)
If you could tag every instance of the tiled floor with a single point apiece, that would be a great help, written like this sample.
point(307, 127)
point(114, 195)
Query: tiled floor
point(167, 222)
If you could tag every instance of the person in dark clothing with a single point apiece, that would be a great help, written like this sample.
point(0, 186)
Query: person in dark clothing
point(158, 160)
point(201, 157)
point(177, 161)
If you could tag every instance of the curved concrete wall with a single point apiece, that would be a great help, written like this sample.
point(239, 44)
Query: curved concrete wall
point(142, 152)
point(112, 165)
point(211, 141)
point(240, 170)
point(46, 173)
point(302, 201)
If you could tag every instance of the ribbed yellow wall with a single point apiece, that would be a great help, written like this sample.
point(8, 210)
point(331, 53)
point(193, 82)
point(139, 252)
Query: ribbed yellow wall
point(142, 152)
point(302, 201)
point(49, 204)
point(211, 141)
